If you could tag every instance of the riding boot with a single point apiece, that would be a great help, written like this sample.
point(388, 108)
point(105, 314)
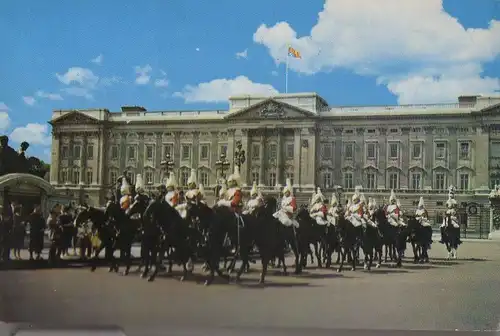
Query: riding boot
point(442, 235)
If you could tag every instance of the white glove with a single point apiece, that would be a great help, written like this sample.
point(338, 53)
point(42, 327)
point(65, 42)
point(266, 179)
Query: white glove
point(224, 203)
point(288, 208)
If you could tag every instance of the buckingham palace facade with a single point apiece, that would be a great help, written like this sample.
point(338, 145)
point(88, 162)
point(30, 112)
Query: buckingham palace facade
point(414, 149)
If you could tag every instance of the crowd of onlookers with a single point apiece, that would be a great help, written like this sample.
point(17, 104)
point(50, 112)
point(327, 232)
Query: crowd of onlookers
point(17, 225)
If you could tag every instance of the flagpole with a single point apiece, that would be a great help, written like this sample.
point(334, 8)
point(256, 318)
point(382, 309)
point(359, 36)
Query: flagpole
point(286, 69)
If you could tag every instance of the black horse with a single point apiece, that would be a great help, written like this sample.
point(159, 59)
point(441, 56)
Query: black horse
point(349, 236)
point(420, 238)
point(451, 238)
point(388, 236)
point(105, 232)
point(309, 233)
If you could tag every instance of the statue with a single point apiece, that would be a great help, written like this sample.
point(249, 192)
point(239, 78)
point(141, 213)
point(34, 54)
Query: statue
point(17, 162)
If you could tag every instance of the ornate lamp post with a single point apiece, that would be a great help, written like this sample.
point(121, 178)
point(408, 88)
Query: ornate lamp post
point(239, 154)
point(167, 165)
point(338, 192)
point(494, 198)
point(222, 165)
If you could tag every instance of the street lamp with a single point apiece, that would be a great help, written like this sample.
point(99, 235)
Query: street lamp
point(239, 154)
point(168, 164)
point(338, 191)
point(222, 164)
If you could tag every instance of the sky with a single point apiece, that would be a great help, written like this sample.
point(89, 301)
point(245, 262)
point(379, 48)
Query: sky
point(194, 54)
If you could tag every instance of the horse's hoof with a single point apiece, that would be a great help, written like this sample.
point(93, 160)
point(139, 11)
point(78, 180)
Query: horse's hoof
point(93, 268)
point(143, 275)
point(151, 279)
point(124, 273)
point(365, 267)
point(207, 283)
point(261, 283)
point(377, 266)
point(182, 278)
point(353, 268)
point(237, 279)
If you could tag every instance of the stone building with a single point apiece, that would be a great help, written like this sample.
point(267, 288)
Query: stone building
point(414, 149)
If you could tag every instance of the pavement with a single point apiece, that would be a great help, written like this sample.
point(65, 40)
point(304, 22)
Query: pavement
point(443, 295)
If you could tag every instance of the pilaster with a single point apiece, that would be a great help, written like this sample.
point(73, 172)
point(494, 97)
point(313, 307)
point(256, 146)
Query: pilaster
point(140, 155)
point(55, 158)
point(230, 148)
point(83, 159)
point(158, 157)
point(279, 158)
point(262, 154)
point(297, 146)
point(245, 145)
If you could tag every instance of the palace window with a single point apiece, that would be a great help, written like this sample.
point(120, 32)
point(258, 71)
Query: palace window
point(464, 181)
point(393, 150)
point(113, 176)
point(149, 177)
point(90, 152)
point(167, 149)
point(64, 176)
point(114, 152)
point(64, 152)
point(76, 177)
point(290, 151)
point(131, 176)
point(348, 180)
point(440, 150)
point(439, 181)
point(371, 181)
point(255, 177)
point(494, 181)
point(326, 151)
point(255, 151)
point(327, 180)
point(273, 151)
point(150, 152)
point(416, 181)
point(370, 151)
point(272, 179)
point(131, 153)
point(204, 152)
point(289, 175)
point(393, 181)
point(77, 152)
point(223, 149)
point(416, 152)
point(185, 172)
point(204, 179)
point(464, 151)
point(90, 177)
point(186, 152)
point(349, 151)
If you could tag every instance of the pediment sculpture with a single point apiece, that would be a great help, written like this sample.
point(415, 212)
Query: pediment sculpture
point(272, 110)
point(17, 162)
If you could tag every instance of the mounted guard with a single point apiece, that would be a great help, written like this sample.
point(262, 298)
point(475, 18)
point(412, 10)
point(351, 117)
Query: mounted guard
point(421, 214)
point(256, 200)
point(333, 213)
point(370, 211)
point(393, 211)
point(318, 208)
point(288, 207)
point(223, 190)
point(172, 196)
point(126, 199)
point(233, 199)
point(192, 183)
point(201, 194)
point(451, 211)
point(356, 209)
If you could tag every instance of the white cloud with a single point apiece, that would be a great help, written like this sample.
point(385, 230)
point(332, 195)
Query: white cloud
point(29, 100)
point(98, 60)
point(242, 54)
point(387, 39)
point(108, 81)
point(81, 76)
point(36, 134)
point(50, 96)
point(4, 116)
point(161, 82)
point(78, 92)
point(143, 74)
point(219, 90)
point(274, 73)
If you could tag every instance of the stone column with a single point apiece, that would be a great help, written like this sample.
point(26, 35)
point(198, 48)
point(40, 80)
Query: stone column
point(83, 159)
point(297, 147)
point(101, 174)
point(177, 153)
point(195, 153)
point(279, 158)
point(123, 152)
point(230, 149)
point(245, 145)
point(158, 156)
point(140, 155)
point(214, 155)
point(55, 158)
point(262, 167)
point(428, 155)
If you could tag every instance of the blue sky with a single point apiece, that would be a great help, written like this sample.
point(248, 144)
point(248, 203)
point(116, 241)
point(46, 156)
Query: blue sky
point(193, 54)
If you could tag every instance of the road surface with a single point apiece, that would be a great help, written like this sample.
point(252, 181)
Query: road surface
point(462, 294)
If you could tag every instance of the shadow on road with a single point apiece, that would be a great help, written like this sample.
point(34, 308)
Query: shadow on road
point(309, 275)
point(44, 264)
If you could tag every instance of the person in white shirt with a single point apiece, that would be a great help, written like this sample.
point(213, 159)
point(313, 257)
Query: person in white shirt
point(451, 212)
point(356, 209)
point(172, 196)
point(421, 214)
point(288, 207)
point(393, 211)
point(318, 209)
point(255, 200)
point(333, 213)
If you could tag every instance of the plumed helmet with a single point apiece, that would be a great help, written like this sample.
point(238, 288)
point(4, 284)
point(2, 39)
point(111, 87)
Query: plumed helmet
point(288, 187)
point(125, 187)
point(254, 191)
point(139, 184)
point(192, 181)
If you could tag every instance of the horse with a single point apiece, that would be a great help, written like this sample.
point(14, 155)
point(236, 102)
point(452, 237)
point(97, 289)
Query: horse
point(420, 238)
point(348, 241)
point(370, 243)
point(104, 232)
point(451, 237)
point(309, 233)
point(388, 237)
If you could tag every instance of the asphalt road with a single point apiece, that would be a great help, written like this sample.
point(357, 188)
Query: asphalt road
point(445, 295)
